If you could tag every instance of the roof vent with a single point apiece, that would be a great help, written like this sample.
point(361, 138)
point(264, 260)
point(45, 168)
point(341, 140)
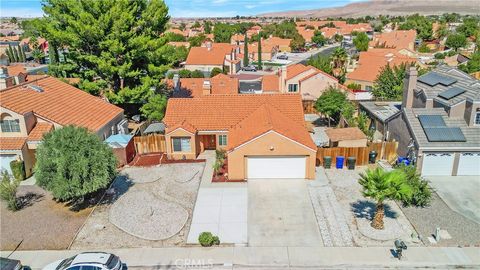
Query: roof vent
point(36, 88)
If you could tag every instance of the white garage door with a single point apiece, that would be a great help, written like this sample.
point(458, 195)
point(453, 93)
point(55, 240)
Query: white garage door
point(276, 167)
point(5, 162)
point(437, 163)
point(469, 164)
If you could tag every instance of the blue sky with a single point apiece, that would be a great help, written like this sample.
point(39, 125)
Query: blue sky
point(192, 8)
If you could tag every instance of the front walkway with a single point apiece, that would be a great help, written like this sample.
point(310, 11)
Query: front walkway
point(220, 208)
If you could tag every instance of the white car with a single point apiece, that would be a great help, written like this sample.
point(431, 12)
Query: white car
point(88, 261)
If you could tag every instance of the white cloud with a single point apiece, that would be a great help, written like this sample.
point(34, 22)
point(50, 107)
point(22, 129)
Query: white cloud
point(250, 6)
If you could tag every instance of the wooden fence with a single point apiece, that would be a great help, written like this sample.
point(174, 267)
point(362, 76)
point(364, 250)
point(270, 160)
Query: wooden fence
point(385, 150)
point(150, 144)
point(309, 106)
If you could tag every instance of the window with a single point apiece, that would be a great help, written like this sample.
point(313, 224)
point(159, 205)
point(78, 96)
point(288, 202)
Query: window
point(293, 87)
point(181, 144)
point(10, 125)
point(368, 88)
point(477, 118)
point(222, 140)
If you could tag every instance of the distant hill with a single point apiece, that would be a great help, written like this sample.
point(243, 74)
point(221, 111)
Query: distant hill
point(387, 7)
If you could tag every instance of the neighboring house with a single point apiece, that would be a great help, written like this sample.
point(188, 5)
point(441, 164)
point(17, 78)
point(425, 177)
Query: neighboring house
point(340, 27)
point(12, 75)
point(4, 60)
point(29, 110)
point(214, 55)
point(264, 135)
point(308, 81)
point(439, 126)
point(370, 64)
point(307, 34)
point(269, 50)
point(399, 39)
point(346, 137)
point(197, 87)
point(282, 43)
point(380, 113)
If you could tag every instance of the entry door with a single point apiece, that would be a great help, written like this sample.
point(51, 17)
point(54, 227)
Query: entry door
point(276, 167)
point(469, 164)
point(209, 142)
point(437, 163)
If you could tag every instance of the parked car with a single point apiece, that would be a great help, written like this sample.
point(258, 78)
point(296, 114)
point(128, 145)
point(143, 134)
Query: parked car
point(88, 260)
point(249, 68)
point(282, 57)
point(9, 264)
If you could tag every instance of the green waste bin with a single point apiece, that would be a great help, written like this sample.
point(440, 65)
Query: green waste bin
point(351, 163)
point(372, 156)
point(327, 162)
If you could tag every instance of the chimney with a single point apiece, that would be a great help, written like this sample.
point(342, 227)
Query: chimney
point(282, 78)
point(208, 44)
point(176, 82)
point(5, 80)
point(207, 88)
point(409, 84)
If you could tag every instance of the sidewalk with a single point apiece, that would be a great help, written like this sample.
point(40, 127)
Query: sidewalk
point(278, 257)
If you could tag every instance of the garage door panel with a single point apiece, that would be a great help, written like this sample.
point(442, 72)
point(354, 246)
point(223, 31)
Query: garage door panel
point(437, 163)
point(276, 167)
point(469, 164)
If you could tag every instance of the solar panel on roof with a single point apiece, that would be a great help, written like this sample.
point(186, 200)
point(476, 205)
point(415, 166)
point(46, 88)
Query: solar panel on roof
point(444, 134)
point(433, 79)
point(431, 121)
point(451, 92)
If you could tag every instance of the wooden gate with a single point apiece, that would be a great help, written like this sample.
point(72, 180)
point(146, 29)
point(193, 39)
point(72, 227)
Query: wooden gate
point(150, 144)
point(385, 150)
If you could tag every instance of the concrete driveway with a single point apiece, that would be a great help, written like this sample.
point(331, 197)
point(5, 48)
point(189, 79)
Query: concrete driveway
point(280, 213)
point(460, 193)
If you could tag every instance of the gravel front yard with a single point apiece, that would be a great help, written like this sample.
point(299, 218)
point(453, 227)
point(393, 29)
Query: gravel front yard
point(462, 230)
point(168, 188)
point(43, 224)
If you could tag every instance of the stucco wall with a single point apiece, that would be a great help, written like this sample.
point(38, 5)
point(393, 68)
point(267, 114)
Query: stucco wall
point(179, 155)
point(106, 130)
point(470, 111)
point(237, 163)
point(314, 87)
point(363, 84)
point(399, 132)
point(11, 115)
point(204, 68)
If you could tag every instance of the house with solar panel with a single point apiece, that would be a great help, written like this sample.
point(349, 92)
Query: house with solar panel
point(439, 123)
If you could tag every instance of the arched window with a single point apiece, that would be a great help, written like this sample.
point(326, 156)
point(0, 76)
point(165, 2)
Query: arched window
point(9, 124)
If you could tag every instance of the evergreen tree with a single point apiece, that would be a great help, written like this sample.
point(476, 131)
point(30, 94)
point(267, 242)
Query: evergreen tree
point(15, 55)
point(20, 54)
point(10, 54)
point(259, 62)
point(245, 51)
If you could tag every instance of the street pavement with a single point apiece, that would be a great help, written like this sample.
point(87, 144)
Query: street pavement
point(274, 257)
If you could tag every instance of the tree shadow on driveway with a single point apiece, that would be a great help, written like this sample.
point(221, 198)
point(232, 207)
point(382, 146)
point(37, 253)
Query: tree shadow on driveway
point(366, 209)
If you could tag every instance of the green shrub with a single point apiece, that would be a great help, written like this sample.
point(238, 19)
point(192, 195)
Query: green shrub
point(422, 193)
point(207, 239)
point(197, 74)
point(220, 153)
point(18, 169)
point(8, 191)
point(451, 53)
point(439, 55)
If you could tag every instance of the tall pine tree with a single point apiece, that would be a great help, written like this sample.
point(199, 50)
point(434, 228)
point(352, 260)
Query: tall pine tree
point(259, 62)
point(15, 55)
point(245, 51)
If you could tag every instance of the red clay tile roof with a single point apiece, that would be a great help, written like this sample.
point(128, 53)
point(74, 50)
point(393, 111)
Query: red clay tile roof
point(184, 125)
point(341, 134)
point(33, 77)
point(209, 56)
point(15, 70)
point(264, 119)
point(59, 102)
point(399, 39)
point(270, 83)
point(36, 134)
point(296, 69)
point(221, 112)
point(307, 34)
point(372, 61)
point(193, 87)
point(15, 143)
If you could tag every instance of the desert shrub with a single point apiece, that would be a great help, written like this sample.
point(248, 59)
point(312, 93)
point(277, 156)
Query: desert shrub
point(18, 169)
point(439, 55)
point(422, 193)
point(207, 239)
point(8, 191)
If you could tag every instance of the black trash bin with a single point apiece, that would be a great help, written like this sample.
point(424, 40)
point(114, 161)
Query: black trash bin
point(351, 163)
point(327, 162)
point(372, 156)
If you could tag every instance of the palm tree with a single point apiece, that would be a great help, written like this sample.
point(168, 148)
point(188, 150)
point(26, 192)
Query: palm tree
point(339, 57)
point(380, 186)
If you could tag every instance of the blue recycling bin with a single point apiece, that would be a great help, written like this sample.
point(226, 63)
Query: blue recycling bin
point(400, 160)
point(339, 162)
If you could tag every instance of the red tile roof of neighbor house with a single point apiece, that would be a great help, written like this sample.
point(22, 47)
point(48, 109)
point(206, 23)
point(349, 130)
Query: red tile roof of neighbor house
point(16, 69)
point(371, 62)
point(307, 34)
point(36, 134)
point(270, 83)
point(264, 119)
point(193, 87)
point(222, 112)
point(215, 55)
point(399, 39)
point(297, 69)
point(342, 134)
point(59, 102)
point(329, 32)
point(15, 143)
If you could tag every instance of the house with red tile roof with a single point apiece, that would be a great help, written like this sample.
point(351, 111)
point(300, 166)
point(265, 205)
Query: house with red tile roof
point(398, 39)
point(264, 135)
point(371, 62)
point(214, 55)
point(197, 87)
point(31, 109)
point(12, 75)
